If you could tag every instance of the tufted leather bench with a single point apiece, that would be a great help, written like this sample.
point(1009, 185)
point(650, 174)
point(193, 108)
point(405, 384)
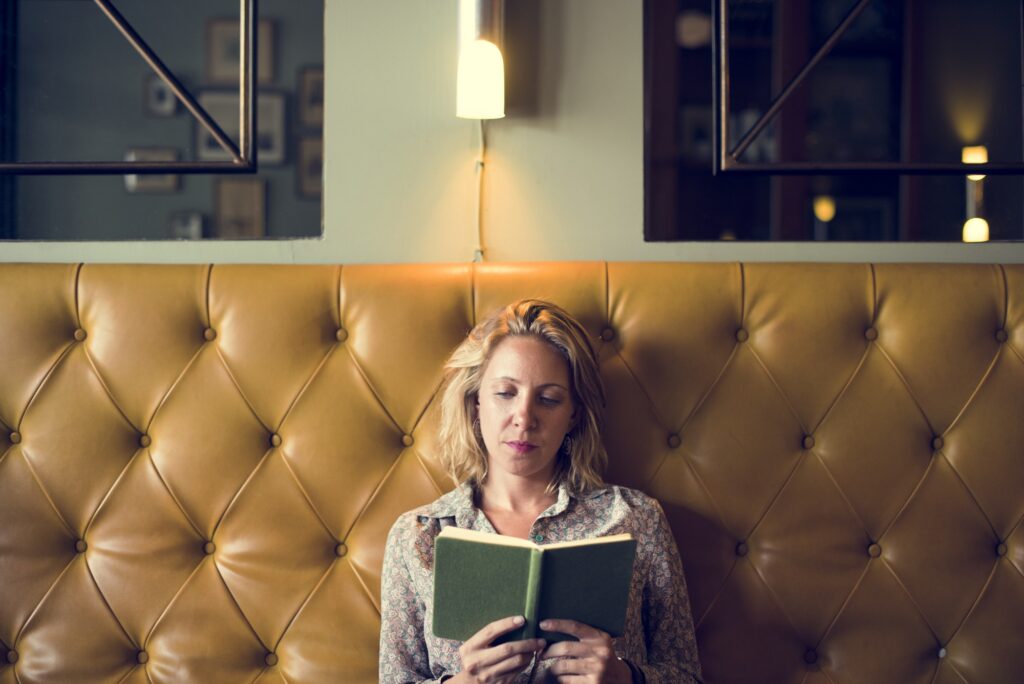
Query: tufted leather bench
point(198, 465)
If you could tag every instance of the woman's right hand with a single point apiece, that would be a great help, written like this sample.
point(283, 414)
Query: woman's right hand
point(484, 663)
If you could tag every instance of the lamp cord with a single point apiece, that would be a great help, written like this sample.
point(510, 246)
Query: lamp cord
point(478, 254)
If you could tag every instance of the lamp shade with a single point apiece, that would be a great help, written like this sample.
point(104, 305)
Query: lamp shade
point(480, 82)
point(480, 85)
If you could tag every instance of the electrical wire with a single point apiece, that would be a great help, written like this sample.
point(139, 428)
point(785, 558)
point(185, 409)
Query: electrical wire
point(478, 254)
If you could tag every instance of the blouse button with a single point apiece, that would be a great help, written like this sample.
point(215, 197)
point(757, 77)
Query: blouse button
point(538, 538)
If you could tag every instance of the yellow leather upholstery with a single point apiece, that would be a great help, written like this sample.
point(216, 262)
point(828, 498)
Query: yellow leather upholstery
point(198, 466)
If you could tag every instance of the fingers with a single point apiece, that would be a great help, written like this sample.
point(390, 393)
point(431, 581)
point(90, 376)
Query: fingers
point(577, 629)
point(495, 656)
point(492, 631)
point(482, 662)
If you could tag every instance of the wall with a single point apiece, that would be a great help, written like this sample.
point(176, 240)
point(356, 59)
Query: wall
point(565, 182)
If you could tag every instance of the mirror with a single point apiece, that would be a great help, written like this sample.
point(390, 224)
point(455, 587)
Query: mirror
point(909, 83)
point(75, 90)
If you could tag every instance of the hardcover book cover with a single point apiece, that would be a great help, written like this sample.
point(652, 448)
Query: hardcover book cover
point(481, 577)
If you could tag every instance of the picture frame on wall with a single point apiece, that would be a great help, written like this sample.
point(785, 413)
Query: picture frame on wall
point(186, 225)
point(158, 98)
point(270, 124)
point(151, 183)
point(311, 97)
point(239, 208)
point(309, 169)
point(223, 51)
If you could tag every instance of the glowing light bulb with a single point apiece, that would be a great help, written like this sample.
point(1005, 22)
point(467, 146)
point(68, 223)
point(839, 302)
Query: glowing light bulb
point(977, 154)
point(824, 208)
point(975, 230)
point(480, 88)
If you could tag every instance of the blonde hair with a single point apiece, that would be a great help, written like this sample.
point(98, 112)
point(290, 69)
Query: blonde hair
point(462, 449)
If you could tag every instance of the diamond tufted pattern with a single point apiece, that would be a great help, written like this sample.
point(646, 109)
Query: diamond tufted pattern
point(199, 465)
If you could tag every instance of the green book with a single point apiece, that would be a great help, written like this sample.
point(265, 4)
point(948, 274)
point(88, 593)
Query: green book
point(481, 577)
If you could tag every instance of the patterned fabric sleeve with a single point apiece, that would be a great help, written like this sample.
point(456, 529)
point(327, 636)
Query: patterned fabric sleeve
point(403, 652)
point(668, 624)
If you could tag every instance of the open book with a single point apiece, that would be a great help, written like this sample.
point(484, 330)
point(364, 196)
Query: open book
point(481, 577)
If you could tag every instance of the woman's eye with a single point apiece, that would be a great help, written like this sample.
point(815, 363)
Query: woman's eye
point(550, 401)
point(503, 393)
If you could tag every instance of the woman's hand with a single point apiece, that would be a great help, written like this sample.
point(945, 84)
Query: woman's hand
point(482, 662)
point(590, 660)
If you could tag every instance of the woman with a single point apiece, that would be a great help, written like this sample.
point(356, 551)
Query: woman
point(520, 430)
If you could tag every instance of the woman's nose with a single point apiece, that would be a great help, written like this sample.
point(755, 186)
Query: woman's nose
point(524, 416)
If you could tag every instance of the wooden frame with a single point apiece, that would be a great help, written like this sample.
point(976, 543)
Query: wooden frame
point(156, 183)
point(270, 143)
point(309, 167)
point(223, 50)
point(240, 207)
point(311, 97)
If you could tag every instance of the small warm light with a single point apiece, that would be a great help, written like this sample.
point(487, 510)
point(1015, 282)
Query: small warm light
point(480, 89)
point(824, 208)
point(977, 154)
point(976, 230)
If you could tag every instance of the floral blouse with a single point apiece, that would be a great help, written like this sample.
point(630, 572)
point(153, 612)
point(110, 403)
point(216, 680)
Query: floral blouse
point(658, 637)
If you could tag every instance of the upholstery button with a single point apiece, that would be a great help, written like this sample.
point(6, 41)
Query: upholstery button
point(871, 333)
point(674, 440)
point(937, 443)
point(875, 550)
point(407, 440)
point(741, 549)
point(275, 439)
point(1001, 335)
point(340, 550)
point(15, 437)
point(608, 334)
point(81, 546)
point(209, 334)
point(742, 335)
point(142, 657)
point(810, 656)
point(270, 659)
point(80, 334)
point(1001, 549)
point(145, 440)
point(12, 656)
point(341, 335)
point(942, 652)
point(808, 442)
point(209, 547)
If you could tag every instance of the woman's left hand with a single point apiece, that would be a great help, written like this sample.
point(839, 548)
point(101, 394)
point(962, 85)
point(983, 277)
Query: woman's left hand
point(591, 659)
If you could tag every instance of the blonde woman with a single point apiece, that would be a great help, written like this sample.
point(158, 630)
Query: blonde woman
point(520, 430)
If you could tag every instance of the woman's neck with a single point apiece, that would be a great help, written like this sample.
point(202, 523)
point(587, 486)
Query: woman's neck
point(518, 496)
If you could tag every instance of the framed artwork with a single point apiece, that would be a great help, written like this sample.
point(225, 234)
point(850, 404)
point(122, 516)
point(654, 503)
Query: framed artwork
point(224, 49)
point(311, 97)
point(270, 125)
point(158, 98)
point(163, 182)
point(239, 208)
point(186, 225)
point(309, 170)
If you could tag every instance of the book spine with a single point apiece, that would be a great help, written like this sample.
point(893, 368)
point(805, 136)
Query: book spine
point(533, 595)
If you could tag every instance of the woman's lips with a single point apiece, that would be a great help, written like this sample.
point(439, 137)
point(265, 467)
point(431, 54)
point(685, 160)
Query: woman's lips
point(520, 447)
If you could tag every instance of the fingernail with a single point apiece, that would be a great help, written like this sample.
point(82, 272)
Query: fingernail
point(545, 625)
point(519, 620)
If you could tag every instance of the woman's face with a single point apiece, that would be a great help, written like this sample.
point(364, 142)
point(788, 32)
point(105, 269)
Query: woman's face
point(525, 407)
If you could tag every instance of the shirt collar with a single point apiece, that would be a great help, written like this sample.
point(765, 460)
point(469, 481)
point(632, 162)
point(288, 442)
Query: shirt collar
point(458, 504)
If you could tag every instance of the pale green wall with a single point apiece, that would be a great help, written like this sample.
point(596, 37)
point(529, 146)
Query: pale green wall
point(565, 182)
